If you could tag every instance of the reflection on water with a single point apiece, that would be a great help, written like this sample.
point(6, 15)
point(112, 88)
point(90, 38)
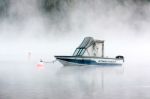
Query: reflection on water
point(22, 80)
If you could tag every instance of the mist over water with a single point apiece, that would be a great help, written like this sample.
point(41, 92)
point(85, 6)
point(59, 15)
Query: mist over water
point(39, 29)
point(121, 22)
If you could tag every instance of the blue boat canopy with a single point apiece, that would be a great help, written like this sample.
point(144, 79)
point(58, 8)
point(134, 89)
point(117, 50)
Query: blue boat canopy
point(90, 47)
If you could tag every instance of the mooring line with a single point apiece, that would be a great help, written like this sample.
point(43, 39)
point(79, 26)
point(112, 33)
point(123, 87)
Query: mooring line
point(48, 61)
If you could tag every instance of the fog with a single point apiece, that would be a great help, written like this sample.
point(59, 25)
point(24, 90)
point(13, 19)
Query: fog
point(30, 24)
point(45, 28)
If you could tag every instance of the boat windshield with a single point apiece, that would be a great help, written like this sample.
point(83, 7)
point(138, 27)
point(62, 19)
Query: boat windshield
point(90, 47)
point(79, 52)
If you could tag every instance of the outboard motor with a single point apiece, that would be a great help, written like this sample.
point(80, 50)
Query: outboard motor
point(120, 57)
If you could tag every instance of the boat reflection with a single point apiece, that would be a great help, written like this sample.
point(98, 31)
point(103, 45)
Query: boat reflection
point(90, 80)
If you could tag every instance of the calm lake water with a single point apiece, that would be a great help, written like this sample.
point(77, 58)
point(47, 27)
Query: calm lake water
point(24, 80)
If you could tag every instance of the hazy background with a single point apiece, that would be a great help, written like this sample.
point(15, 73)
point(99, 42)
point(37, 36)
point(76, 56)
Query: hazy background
point(58, 26)
point(46, 28)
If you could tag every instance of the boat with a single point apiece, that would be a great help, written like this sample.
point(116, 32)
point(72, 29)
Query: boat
point(90, 52)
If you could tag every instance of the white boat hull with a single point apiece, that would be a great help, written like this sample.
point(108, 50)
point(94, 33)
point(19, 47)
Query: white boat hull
point(81, 61)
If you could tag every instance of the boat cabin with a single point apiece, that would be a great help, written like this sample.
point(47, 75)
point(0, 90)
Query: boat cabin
point(90, 47)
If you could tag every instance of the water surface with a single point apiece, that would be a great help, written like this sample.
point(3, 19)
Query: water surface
point(23, 80)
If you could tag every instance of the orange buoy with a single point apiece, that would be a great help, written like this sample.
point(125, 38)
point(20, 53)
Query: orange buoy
point(40, 65)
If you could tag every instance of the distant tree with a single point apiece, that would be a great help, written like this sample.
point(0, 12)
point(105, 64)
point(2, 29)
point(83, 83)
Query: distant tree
point(4, 6)
point(49, 5)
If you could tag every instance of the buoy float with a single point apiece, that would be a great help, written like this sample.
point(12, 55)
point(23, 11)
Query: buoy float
point(40, 65)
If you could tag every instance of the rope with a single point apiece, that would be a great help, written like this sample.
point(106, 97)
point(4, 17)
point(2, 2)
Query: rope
point(48, 61)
